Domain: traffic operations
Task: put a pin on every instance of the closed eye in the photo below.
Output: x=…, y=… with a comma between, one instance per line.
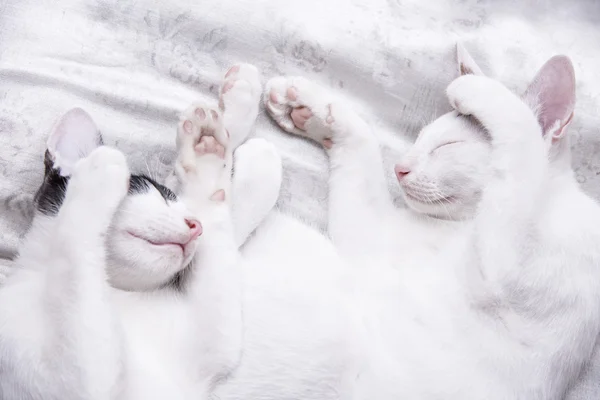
x=446, y=144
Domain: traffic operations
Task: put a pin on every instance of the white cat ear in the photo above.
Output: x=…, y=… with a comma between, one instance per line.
x=466, y=64
x=552, y=96
x=73, y=137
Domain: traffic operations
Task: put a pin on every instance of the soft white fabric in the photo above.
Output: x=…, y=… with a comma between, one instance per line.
x=135, y=64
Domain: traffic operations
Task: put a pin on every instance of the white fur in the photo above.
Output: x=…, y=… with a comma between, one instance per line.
x=405, y=306
x=66, y=333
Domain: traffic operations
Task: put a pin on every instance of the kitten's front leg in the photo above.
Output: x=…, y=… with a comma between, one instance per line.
x=99, y=184
x=96, y=189
x=214, y=284
x=359, y=201
x=77, y=351
x=519, y=157
x=257, y=166
x=239, y=101
x=256, y=185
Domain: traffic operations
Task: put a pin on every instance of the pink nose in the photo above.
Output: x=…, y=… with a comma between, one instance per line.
x=401, y=171
x=195, y=228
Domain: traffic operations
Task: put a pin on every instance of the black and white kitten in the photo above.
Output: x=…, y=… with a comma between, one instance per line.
x=116, y=295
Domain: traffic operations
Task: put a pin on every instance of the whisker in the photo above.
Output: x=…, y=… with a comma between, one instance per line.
x=443, y=204
x=147, y=167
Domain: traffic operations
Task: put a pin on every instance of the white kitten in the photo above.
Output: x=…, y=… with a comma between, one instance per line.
x=509, y=309
x=103, y=302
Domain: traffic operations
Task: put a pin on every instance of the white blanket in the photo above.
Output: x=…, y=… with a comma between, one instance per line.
x=134, y=64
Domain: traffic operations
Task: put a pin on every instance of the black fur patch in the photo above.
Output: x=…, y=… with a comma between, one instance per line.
x=181, y=279
x=51, y=194
x=142, y=183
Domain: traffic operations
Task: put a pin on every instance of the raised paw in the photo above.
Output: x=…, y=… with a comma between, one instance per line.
x=200, y=132
x=239, y=100
x=256, y=184
x=469, y=93
x=203, y=151
x=301, y=107
x=504, y=115
x=100, y=181
x=241, y=86
x=258, y=160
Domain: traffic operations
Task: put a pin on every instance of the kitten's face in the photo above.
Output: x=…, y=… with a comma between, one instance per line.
x=444, y=172
x=446, y=169
x=152, y=238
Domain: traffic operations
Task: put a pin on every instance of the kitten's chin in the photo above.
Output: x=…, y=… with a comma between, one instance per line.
x=443, y=207
x=140, y=282
x=429, y=200
x=137, y=266
x=456, y=210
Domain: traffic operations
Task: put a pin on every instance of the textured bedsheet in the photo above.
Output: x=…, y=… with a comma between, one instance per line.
x=134, y=64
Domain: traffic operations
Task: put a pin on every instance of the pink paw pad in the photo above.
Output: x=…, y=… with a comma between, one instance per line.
x=292, y=93
x=209, y=145
x=200, y=113
x=219, y=195
x=188, y=127
x=233, y=70
x=273, y=97
x=227, y=86
x=300, y=116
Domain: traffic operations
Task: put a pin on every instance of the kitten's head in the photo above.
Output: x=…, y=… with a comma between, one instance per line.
x=444, y=172
x=152, y=237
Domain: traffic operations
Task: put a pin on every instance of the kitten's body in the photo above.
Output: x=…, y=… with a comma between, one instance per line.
x=315, y=323
x=506, y=310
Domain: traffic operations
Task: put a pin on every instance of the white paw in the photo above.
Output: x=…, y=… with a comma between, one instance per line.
x=203, y=153
x=258, y=160
x=241, y=87
x=102, y=178
x=239, y=100
x=256, y=185
x=200, y=134
x=469, y=93
x=301, y=107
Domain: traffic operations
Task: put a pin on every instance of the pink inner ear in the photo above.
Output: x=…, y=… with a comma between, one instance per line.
x=552, y=94
x=75, y=136
x=560, y=132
